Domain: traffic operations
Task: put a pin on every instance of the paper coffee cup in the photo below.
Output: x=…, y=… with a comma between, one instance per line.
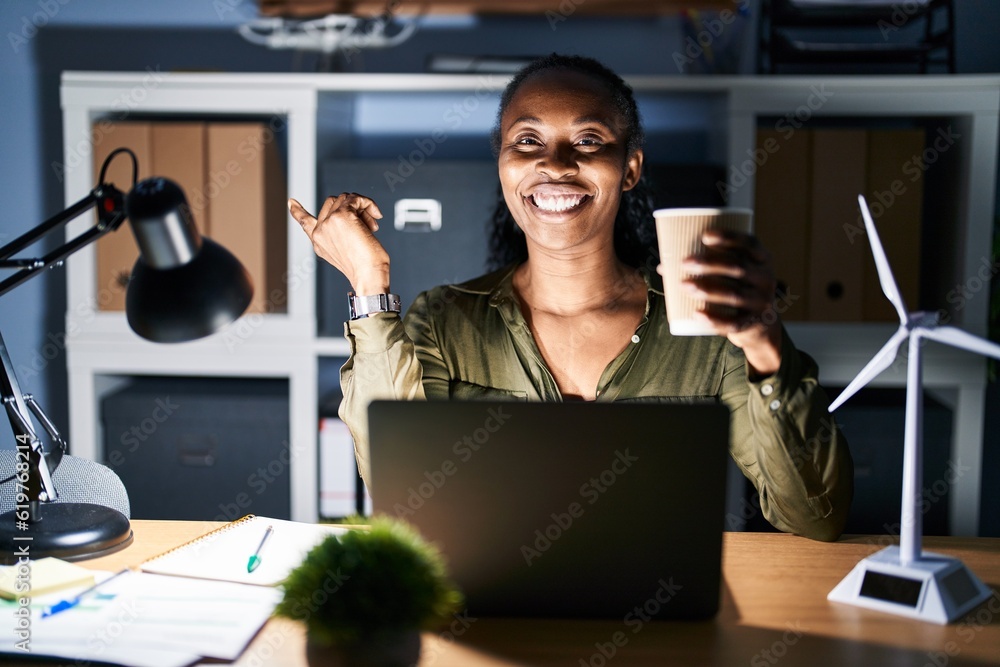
x=679, y=232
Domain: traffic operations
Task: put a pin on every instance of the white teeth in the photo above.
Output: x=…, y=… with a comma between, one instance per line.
x=557, y=203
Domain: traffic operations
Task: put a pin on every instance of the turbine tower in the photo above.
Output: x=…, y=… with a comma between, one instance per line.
x=904, y=579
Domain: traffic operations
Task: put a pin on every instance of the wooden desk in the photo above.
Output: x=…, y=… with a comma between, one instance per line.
x=774, y=612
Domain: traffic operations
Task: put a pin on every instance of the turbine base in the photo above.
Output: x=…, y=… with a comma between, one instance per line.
x=935, y=587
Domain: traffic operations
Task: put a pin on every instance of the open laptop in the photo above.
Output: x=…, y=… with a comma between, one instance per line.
x=595, y=510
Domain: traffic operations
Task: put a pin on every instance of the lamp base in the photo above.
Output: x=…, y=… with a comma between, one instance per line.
x=934, y=588
x=70, y=531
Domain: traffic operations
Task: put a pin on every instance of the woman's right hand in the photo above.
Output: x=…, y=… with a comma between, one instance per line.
x=342, y=234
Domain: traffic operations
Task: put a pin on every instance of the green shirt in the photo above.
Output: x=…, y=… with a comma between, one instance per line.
x=470, y=341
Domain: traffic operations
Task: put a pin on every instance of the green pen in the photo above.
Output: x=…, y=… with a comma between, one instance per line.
x=254, y=561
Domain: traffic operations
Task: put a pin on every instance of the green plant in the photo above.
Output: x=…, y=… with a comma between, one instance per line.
x=369, y=583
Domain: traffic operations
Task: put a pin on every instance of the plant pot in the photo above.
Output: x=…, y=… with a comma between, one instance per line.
x=398, y=649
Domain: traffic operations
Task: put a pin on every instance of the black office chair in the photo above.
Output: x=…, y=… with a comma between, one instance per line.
x=798, y=33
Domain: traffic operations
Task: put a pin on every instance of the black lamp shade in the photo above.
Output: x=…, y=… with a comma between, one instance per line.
x=191, y=301
x=183, y=286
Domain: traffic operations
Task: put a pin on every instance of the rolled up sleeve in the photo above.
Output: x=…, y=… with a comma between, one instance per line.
x=788, y=444
x=382, y=365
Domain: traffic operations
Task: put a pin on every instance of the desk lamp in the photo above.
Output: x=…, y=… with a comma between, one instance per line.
x=904, y=579
x=183, y=287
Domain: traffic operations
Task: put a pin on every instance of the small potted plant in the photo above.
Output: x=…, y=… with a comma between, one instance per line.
x=365, y=596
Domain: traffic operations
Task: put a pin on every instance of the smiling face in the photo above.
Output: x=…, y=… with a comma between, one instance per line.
x=563, y=161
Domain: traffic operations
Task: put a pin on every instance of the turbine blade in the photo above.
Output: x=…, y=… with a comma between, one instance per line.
x=885, y=277
x=881, y=361
x=962, y=339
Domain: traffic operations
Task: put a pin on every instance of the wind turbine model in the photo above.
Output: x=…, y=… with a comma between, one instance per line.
x=906, y=580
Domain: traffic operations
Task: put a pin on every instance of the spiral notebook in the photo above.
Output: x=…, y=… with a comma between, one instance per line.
x=223, y=554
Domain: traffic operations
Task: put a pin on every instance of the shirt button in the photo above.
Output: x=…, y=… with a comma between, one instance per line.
x=635, y=338
x=767, y=389
x=775, y=404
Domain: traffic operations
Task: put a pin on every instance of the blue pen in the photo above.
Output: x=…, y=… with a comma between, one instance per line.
x=254, y=561
x=72, y=602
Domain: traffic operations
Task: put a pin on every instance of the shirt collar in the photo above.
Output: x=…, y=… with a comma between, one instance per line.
x=500, y=284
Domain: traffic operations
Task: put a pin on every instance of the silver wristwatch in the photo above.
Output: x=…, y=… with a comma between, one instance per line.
x=362, y=306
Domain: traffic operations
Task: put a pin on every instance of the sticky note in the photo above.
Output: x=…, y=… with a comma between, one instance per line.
x=41, y=576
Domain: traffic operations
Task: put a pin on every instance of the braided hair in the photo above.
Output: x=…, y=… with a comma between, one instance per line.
x=634, y=232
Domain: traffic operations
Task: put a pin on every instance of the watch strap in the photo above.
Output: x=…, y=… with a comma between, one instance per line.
x=362, y=306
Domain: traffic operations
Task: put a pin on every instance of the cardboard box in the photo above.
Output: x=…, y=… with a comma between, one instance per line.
x=232, y=177
x=836, y=256
x=179, y=153
x=117, y=252
x=895, y=196
x=246, y=194
x=806, y=214
x=782, y=213
x=175, y=150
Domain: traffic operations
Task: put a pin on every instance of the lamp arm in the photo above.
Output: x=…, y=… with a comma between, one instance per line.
x=110, y=213
x=37, y=486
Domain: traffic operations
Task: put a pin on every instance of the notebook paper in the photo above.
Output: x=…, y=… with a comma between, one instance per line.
x=223, y=554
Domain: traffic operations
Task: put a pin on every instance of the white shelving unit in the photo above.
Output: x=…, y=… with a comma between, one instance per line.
x=101, y=349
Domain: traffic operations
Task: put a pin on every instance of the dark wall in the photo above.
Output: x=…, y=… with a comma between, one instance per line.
x=645, y=46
